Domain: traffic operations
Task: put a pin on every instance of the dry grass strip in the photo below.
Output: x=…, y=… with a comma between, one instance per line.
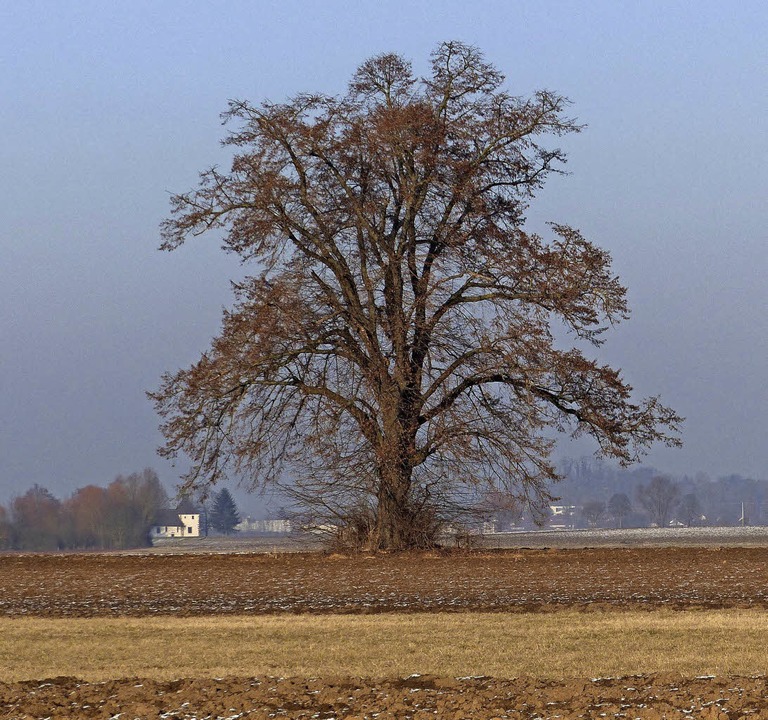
x=564, y=644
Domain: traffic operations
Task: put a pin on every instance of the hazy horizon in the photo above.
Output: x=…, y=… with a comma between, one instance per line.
x=109, y=109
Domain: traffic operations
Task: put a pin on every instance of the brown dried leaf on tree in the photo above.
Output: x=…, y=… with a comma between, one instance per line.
x=393, y=352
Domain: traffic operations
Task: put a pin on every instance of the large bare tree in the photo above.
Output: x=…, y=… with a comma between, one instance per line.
x=393, y=350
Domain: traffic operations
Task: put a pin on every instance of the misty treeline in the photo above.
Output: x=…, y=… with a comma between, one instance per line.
x=117, y=516
x=594, y=493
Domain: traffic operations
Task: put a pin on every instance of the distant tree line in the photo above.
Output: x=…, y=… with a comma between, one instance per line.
x=596, y=494
x=113, y=517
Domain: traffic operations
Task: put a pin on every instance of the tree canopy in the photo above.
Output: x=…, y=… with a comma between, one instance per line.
x=659, y=497
x=392, y=354
x=117, y=516
x=619, y=506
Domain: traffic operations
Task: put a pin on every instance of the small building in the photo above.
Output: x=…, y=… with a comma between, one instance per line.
x=173, y=524
x=561, y=516
x=270, y=526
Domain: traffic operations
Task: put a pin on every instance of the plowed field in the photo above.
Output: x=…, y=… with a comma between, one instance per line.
x=650, y=697
x=108, y=585
x=603, y=580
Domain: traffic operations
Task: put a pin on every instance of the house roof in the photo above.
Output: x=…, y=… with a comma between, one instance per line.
x=187, y=507
x=167, y=518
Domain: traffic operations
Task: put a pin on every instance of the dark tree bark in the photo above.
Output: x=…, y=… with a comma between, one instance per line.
x=393, y=353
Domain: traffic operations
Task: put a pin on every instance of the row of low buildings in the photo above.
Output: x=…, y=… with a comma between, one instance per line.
x=264, y=527
x=183, y=524
x=180, y=524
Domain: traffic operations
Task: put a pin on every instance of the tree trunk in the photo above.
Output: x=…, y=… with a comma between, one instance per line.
x=394, y=517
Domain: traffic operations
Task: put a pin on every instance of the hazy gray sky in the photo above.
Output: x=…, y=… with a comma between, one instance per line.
x=107, y=107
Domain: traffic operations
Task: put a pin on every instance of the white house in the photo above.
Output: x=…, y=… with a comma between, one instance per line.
x=172, y=524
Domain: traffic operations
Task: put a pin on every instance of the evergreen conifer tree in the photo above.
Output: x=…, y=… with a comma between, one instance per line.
x=224, y=516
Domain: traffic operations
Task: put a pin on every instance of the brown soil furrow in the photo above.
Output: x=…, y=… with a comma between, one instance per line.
x=652, y=697
x=84, y=585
